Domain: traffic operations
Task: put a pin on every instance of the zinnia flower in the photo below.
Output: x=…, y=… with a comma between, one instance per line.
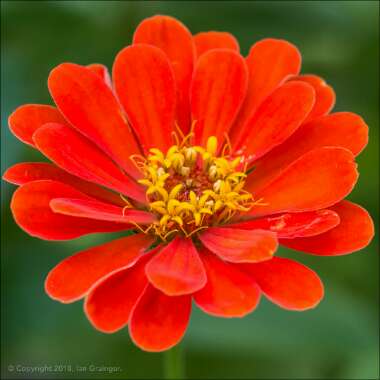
x=210, y=158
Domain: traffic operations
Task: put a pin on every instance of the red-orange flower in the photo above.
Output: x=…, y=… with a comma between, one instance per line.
x=211, y=158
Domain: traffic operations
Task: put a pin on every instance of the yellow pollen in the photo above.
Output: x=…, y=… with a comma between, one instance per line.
x=191, y=187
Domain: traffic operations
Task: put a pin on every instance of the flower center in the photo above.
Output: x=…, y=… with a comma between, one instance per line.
x=190, y=187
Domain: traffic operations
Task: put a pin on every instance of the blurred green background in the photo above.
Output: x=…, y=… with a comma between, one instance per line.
x=339, y=41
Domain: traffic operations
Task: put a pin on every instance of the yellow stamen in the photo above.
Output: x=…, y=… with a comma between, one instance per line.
x=190, y=187
x=212, y=144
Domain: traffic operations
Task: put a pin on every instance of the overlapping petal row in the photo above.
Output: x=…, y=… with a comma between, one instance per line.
x=300, y=160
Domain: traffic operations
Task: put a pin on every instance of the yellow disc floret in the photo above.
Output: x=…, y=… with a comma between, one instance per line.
x=190, y=187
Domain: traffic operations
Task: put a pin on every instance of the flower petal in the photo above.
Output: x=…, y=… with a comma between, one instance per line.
x=280, y=114
x=324, y=95
x=159, y=321
x=73, y=277
x=287, y=283
x=145, y=85
x=90, y=106
x=109, y=303
x=343, y=129
x=93, y=209
x=176, y=41
x=32, y=212
x=25, y=120
x=316, y=180
x=270, y=62
x=354, y=232
x=240, y=245
x=177, y=269
x=206, y=41
x=102, y=71
x=294, y=225
x=217, y=92
x=25, y=172
x=229, y=292
x=79, y=156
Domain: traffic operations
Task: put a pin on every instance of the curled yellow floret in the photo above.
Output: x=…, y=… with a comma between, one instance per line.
x=191, y=187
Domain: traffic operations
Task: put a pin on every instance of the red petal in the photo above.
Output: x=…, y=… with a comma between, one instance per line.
x=109, y=304
x=324, y=95
x=177, y=269
x=354, y=232
x=206, y=41
x=25, y=120
x=239, y=245
x=218, y=89
x=270, y=62
x=89, y=104
x=73, y=277
x=159, y=321
x=316, y=180
x=25, y=172
x=93, y=209
x=176, y=41
x=144, y=82
x=32, y=212
x=74, y=153
x=275, y=120
x=342, y=129
x=287, y=283
x=229, y=292
x=102, y=71
x=294, y=225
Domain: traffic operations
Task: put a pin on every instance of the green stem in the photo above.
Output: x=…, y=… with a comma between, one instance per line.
x=174, y=363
